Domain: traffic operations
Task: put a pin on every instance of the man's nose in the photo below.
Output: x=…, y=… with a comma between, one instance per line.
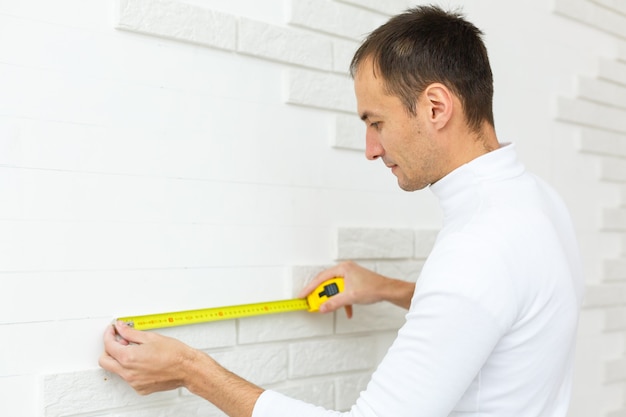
x=373, y=148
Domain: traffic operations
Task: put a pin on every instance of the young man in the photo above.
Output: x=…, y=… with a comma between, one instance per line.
x=492, y=320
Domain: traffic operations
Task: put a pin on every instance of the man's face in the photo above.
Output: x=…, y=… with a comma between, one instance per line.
x=403, y=141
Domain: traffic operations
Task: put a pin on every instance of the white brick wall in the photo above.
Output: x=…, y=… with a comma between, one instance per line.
x=360, y=243
x=330, y=17
x=599, y=107
x=166, y=155
x=609, y=18
x=179, y=21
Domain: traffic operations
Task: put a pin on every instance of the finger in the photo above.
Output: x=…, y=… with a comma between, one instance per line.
x=118, y=337
x=110, y=335
x=109, y=363
x=348, y=309
x=129, y=334
x=319, y=278
x=113, y=344
x=335, y=303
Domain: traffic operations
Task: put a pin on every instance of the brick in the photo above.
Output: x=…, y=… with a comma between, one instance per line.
x=287, y=326
x=591, y=114
x=568, y=8
x=389, y=7
x=592, y=14
x=614, y=5
x=407, y=270
x=604, y=295
x=615, y=269
x=178, y=21
x=620, y=413
x=260, y=365
x=331, y=17
x=370, y=318
x=613, y=169
x=614, y=218
x=367, y=243
x=343, y=51
x=320, y=393
x=602, y=142
x=189, y=407
x=285, y=45
x=615, y=370
x=303, y=274
x=348, y=389
x=601, y=91
x=205, y=335
x=99, y=390
x=615, y=319
x=321, y=90
x=348, y=133
x=611, y=70
x=424, y=242
x=331, y=356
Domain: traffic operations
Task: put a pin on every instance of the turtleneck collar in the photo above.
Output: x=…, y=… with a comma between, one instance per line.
x=457, y=188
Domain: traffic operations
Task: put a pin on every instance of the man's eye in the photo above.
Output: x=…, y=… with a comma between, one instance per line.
x=374, y=125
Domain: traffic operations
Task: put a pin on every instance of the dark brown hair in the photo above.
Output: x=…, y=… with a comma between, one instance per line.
x=426, y=45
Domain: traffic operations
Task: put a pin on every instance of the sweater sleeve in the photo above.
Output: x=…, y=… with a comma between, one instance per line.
x=272, y=403
x=450, y=331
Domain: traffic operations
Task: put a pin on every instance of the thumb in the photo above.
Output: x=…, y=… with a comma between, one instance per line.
x=334, y=303
x=329, y=306
x=129, y=334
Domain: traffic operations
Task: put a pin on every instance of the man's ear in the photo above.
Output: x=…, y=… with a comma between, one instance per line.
x=440, y=104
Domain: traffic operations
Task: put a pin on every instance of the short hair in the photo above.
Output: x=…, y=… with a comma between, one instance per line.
x=425, y=45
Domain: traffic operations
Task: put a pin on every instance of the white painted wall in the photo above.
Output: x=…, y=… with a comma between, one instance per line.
x=205, y=152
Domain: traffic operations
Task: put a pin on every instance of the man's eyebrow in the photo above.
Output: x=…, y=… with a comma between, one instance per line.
x=365, y=115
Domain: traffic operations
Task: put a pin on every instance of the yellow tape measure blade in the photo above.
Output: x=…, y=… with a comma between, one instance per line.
x=312, y=303
x=180, y=318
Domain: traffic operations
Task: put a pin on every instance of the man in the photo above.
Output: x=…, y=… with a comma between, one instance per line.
x=492, y=319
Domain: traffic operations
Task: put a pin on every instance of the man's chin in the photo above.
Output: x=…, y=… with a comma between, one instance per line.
x=407, y=186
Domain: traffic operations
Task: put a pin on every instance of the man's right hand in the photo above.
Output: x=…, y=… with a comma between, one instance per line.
x=361, y=286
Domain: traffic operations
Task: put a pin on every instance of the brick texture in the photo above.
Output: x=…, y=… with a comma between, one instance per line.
x=609, y=18
x=329, y=17
x=314, y=89
x=99, y=390
x=179, y=21
x=116, y=176
x=363, y=243
x=322, y=357
x=349, y=133
x=591, y=114
x=285, y=45
x=599, y=111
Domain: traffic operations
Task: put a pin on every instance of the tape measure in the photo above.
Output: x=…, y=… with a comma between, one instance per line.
x=312, y=303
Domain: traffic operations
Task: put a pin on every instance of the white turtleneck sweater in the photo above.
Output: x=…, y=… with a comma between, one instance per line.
x=492, y=323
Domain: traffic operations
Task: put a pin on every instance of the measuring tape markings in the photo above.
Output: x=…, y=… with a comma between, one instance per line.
x=312, y=303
